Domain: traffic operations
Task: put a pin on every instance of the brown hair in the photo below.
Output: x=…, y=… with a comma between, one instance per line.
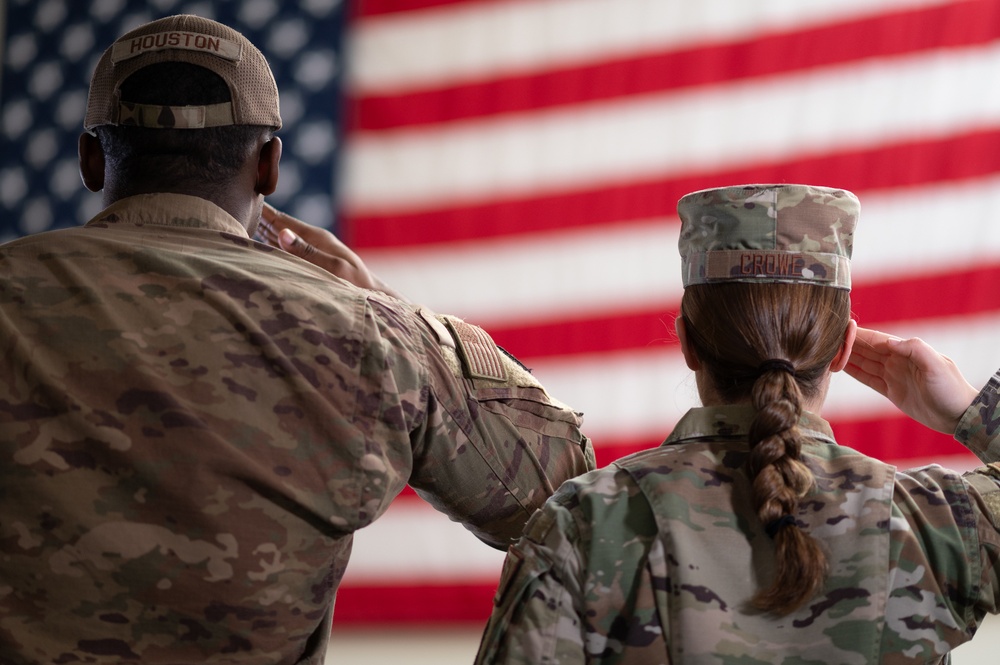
x=733, y=329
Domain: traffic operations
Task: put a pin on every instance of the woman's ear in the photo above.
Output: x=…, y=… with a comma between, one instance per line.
x=91, y=155
x=839, y=361
x=690, y=357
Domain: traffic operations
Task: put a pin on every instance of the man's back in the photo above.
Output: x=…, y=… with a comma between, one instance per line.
x=192, y=426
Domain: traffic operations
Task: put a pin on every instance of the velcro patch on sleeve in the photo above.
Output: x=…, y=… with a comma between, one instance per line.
x=481, y=359
x=445, y=338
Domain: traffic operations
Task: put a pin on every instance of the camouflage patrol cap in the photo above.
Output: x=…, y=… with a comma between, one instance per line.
x=195, y=40
x=768, y=233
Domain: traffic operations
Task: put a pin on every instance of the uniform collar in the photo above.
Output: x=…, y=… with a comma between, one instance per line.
x=734, y=421
x=177, y=210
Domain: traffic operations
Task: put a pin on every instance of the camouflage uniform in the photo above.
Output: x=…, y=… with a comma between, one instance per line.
x=653, y=559
x=194, y=424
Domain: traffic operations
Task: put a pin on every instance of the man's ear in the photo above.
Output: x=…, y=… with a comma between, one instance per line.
x=91, y=162
x=840, y=360
x=267, y=167
x=690, y=357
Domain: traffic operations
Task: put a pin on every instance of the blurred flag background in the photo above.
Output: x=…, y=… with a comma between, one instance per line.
x=518, y=162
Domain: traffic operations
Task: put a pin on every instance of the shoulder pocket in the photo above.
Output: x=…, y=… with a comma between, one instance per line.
x=984, y=480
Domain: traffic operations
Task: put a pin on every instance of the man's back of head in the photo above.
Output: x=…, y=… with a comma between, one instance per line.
x=179, y=105
x=161, y=159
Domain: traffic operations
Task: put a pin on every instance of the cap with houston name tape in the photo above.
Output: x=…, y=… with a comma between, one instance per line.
x=195, y=40
x=768, y=233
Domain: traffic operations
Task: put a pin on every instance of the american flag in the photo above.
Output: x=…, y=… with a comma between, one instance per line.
x=49, y=51
x=518, y=162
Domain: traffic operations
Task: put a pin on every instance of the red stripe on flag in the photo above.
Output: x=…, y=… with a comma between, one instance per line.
x=424, y=603
x=964, y=156
x=594, y=334
x=361, y=9
x=884, y=35
x=894, y=438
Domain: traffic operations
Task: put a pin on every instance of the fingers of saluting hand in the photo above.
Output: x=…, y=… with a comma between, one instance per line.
x=868, y=373
x=273, y=216
x=872, y=346
x=282, y=230
x=267, y=231
x=291, y=242
x=318, y=246
x=871, y=351
x=272, y=221
x=277, y=220
x=873, y=342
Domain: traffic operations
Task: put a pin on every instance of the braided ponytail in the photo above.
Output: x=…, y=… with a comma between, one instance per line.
x=779, y=479
x=771, y=345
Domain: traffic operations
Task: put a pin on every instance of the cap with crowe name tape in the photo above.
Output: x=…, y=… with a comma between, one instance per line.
x=768, y=233
x=195, y=40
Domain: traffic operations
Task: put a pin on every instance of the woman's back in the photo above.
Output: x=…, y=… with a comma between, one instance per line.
x=655, y=558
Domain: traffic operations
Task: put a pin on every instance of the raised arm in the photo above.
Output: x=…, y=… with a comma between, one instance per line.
x=488, y=444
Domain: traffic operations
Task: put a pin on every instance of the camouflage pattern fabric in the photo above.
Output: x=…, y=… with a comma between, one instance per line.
x=174, y=117
x=979, y=426
x=768, y=233
x=194, y=424
x=653, y=560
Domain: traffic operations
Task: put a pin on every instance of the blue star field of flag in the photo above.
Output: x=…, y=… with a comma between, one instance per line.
x=50, y=48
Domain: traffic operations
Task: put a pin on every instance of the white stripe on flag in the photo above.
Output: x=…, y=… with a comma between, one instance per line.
x=741, y=123
x=457, y=43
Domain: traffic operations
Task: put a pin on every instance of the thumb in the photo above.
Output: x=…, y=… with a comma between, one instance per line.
x=290, y=241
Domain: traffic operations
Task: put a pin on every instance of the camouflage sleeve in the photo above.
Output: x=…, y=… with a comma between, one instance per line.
x=944, y=545
x=980, y=424
x=578, y=587
x=494, y=445
x=535, y=615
